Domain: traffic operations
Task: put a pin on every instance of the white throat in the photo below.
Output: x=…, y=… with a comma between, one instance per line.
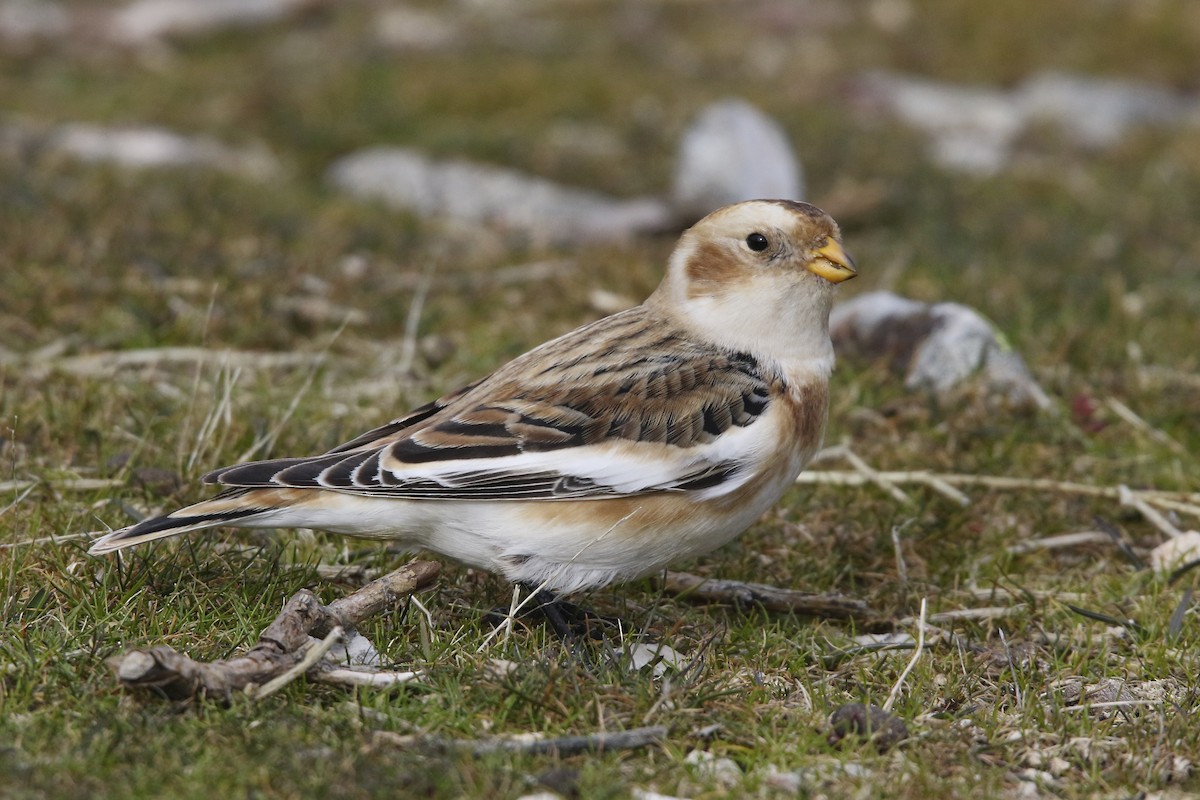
x=786, y=323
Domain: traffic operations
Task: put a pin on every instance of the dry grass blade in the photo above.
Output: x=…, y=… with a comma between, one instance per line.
x=912, y=662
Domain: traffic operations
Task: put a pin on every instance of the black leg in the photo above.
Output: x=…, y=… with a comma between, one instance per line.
x=568, y=620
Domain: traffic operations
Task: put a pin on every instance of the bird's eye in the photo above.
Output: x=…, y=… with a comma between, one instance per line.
x=757, y=242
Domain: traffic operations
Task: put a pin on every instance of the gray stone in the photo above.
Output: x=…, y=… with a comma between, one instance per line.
x=511, y=201
x=974, y=129
x=150, y=20
x=1098, y=113
x=145, y=147
x=733, y=152
x=971, y=129
x=939, y=347
x=23, y=20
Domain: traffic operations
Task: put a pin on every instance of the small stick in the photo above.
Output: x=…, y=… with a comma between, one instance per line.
x=772, y=598
x=370, y=679
x=103, y=363
x=871, y=474
x=1060, y=541
x=1188, y=502
x=66, y=537
x=901, y=567
x=281, y=649
x=1130, y=416
x=912, y=662
x=1152, y=515
x=72, y=485
x=312, y=655
x=532, y=743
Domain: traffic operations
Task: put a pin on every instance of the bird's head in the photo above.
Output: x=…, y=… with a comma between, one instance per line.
x=758, y=276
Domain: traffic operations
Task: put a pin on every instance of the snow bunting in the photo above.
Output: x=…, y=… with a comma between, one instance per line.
x=641, y=439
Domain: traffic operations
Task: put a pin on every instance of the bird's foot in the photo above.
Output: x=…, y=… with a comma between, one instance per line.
x=569, y=621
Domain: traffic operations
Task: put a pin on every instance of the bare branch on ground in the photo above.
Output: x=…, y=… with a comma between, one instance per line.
x=285, y=644
x=531, y=743
x=772, y=598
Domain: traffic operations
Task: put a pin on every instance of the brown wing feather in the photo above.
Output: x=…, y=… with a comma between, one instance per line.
x=649, y=384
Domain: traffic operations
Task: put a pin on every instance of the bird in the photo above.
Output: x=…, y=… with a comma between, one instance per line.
x=647, y=437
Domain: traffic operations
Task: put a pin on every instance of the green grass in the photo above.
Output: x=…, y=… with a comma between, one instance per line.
x=1090, y=266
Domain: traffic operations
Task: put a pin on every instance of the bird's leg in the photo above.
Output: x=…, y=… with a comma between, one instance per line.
x=568, y=620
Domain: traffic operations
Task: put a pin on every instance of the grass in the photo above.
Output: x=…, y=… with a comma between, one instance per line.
x=1089, y=265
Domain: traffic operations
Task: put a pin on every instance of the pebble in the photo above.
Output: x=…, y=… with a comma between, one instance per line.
x=147, y=147
x=733, y=152
x=145, y=21
x=520, y=204
x=975, y=128
x=940, y=346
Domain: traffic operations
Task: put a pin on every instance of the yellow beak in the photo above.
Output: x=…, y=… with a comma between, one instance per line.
x=834, y=264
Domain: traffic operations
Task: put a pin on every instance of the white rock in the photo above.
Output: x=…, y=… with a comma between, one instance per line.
x=970, y=128
x=941, y=346
x=662, y=658
x=733, y=152
x=143, y=147
x=1174, y=553
x=148, y=20
x=503, y=198
x=1098, y=113
x=645, y=794
x=355, y=650
x=414, y=29
x=974, y=129
x=21, y=20
x=722, y=770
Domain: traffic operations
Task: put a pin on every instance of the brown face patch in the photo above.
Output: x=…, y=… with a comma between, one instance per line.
x=711, y=270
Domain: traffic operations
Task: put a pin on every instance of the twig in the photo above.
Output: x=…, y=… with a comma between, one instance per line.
x=70, y=485
x=1060, y=541
x=282, y=647
x=1188, y=502
x=1113, y=704
x=532, y=743
x=374, y=679
x=901, y=567
x=66, y=537
x=1152, y=515
x=971, y=614
x=772, y=598
x=867, y=471
x=350, y=573
x=17, y=501
x=412, y=323
x=312, y=655
x=1130, y=416
x=108, y=362
x=1012, y=667
x=912, y=662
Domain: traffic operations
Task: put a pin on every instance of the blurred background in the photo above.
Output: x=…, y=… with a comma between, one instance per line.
x=232, y=229
x=1037, y=162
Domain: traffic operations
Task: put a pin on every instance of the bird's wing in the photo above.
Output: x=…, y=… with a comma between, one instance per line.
x=625, y=406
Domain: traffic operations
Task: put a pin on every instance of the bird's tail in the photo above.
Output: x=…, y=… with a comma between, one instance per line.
x=233, y=507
